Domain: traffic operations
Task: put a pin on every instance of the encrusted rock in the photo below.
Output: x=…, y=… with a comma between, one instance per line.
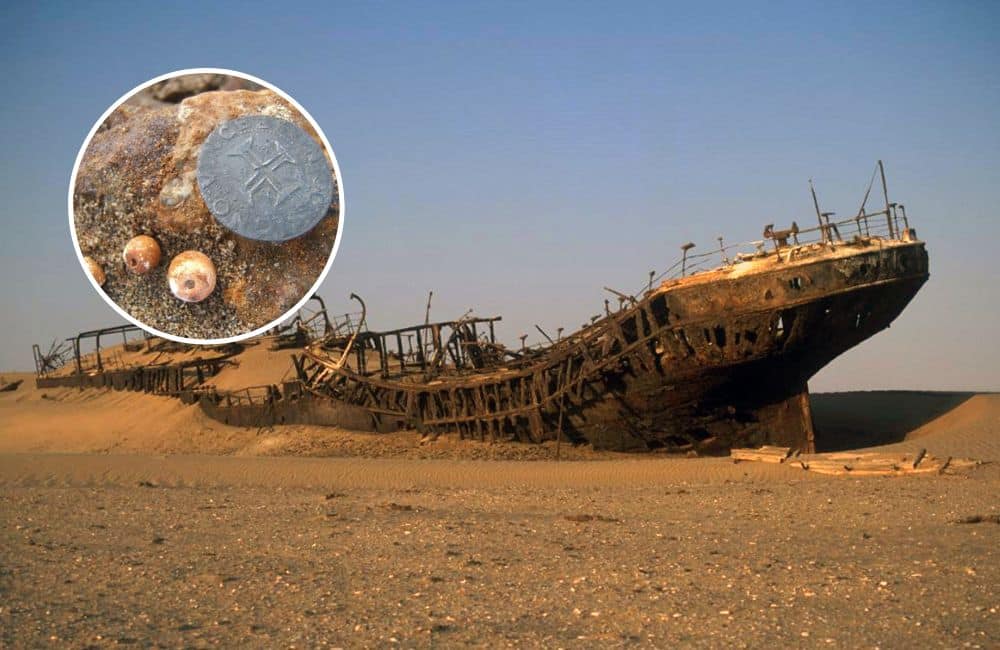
x=176, y=89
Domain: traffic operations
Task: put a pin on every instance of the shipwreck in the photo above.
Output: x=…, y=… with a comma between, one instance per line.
x=715, y=353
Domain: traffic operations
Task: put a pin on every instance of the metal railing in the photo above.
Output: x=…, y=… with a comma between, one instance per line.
x=887, y=225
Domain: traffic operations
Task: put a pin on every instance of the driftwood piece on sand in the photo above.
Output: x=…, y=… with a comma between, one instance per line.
x=6, y=386
x=765, y=454
x=857, y=463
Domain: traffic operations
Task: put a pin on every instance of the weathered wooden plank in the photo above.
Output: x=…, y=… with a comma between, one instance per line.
x=763, y=454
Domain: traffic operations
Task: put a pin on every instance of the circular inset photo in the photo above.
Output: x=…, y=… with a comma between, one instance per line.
x=206, y=206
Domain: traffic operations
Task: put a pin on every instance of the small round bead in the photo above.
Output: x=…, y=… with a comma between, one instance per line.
x=141, y=254
x=191, y=276
x=95, y=270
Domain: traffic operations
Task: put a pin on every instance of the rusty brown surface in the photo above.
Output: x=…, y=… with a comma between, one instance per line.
x=701, y=363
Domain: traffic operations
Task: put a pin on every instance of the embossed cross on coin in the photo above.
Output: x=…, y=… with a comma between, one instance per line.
x=264, y=178
x=263, y=170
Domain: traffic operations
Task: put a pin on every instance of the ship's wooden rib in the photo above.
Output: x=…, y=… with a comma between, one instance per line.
x=678, y=333
x=705, y=363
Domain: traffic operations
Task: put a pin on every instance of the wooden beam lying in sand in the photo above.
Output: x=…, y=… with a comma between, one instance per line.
x=766, y=454
x=857, y=463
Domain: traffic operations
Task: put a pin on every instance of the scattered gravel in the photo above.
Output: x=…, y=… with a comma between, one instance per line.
x=751, y=563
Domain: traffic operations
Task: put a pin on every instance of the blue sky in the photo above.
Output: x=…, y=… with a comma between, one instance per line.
x=518, y=157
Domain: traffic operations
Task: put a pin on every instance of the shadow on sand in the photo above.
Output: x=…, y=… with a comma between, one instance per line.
x=866, y=419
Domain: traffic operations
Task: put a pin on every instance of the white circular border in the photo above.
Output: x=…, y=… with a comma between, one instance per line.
x=336, y=241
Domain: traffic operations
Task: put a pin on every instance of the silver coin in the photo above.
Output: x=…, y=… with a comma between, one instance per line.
x=264, y=178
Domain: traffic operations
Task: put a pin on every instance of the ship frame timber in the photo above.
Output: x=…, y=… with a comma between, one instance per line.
x=702, y=362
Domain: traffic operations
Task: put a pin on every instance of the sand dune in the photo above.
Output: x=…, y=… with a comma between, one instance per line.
x=68, y=420
x=945, y=423
x=257, y=365
x=977, y=413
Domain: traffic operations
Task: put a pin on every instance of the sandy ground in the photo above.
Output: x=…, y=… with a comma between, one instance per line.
x=133, y=520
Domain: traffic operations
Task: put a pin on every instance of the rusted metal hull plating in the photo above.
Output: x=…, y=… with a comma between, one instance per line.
x=703, y=363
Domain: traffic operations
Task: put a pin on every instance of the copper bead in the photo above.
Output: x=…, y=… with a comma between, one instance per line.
x=191, y=276
x=95, y=270
x=141, y=254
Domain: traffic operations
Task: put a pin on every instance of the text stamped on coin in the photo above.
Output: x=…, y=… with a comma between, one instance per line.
x=264, y=178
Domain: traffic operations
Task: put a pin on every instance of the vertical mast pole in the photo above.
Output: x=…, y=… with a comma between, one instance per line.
x=819, y=215
x=885, y=193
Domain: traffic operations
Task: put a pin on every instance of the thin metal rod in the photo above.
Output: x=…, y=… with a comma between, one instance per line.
x=819, y=216
x=562, y=403
x=885, y=193
x=544, y=334
x=354, y=335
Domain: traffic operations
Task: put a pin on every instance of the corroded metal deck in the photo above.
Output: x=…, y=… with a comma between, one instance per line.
x=704, y=362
